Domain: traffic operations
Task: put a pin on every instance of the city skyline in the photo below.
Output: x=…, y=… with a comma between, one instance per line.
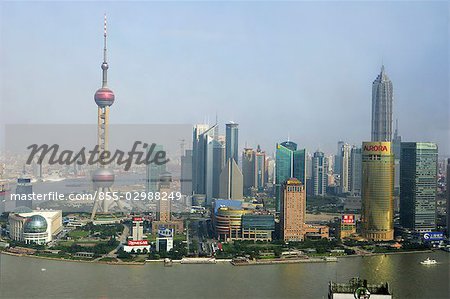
x=243, y=83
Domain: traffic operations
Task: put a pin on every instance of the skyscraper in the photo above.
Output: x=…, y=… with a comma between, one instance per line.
x=24, y=187
x=448, y=197
x=231, y=181
x=186, y=173
x=154, y=171
x=382, y=98
x=319, y=174
x=232, y=146
x=418, y=185
x=200, y=133
x=396, y=143
x=345, y=168
x=338, y=158
x=290, y=163
x=248, y=169
x=293, y=210
x=215, y=164
x=164, y=204
x=260, y=169
x=355, y=171
x=377, y=214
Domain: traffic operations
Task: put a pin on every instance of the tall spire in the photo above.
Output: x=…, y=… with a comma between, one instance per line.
x=105, y=63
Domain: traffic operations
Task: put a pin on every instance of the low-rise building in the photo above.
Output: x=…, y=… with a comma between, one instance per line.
x=38, y=227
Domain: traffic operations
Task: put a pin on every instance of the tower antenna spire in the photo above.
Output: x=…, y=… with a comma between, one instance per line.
x=105, y=63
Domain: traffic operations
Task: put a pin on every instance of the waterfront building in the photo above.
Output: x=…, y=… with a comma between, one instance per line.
x=137, y=230
x=257, y=227
x=377, y=215
x=418, y=185
x=290, y=163
x=347, y=226
x=24, y=188
x=382, y=99
x=292, y=210
x=319, y=173
x=315, y=231
x=164, y=241
x=34, y=227
x=228, y=222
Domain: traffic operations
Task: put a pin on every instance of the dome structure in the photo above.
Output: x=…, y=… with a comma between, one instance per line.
x=103, y=177
x=104, y=97
x=35, y=224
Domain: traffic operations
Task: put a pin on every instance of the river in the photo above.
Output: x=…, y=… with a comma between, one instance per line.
x=22, y=277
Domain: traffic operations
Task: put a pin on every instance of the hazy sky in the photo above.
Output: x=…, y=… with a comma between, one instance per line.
x=302, y=69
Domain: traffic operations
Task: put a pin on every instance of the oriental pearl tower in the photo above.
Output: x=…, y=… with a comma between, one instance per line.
x=103, y=178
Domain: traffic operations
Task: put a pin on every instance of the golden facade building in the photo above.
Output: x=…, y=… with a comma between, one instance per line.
x=377, y=215
x=292, y=210
x=228, y=223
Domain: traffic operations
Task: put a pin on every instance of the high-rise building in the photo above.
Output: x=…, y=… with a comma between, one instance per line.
x=154, y=171
x=293, y=210
x=345, y=168
x=207, y=161
x=200, y=133
x=254, y=170
x=248, y=169
x=382, y=98
x=338, y=158
x=260, y=169
x=448, y=197
x=215, y=164
x=418, y=185
x=186, y=173
x=232, y=137
x=164, y=204
x=396, y=144
x=319, y=174
x=290, y=163
x=24, y=187
x=355, y=171
x=231, y=181
x=377, y=214
x=137, y=232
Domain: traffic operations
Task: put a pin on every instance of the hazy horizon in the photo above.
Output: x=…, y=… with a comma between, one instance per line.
x=297, y=69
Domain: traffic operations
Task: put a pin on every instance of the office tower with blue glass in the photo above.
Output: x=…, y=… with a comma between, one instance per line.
x=290, y=163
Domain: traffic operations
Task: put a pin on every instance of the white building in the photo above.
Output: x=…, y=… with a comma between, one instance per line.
x=37, y=227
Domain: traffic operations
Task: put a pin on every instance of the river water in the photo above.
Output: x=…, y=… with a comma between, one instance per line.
x=22, y=277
